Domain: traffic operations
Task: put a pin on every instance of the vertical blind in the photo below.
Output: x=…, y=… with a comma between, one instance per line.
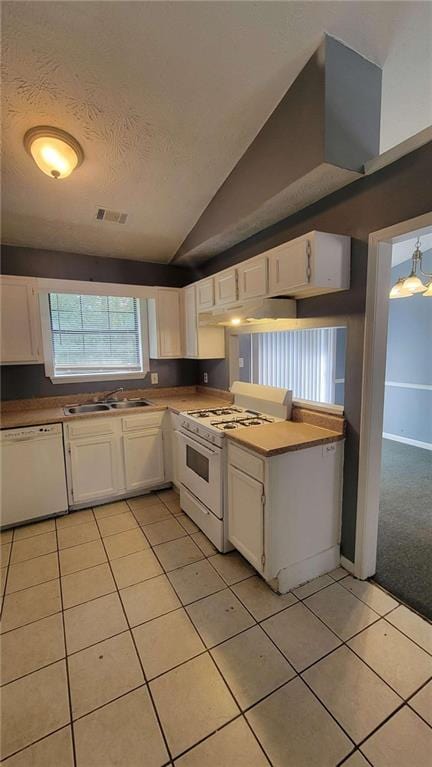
x=301, y=360
x=95, y=334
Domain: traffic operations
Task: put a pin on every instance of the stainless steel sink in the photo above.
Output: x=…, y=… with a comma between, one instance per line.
x=92, y=408
x=97, y=407
x=127, y=403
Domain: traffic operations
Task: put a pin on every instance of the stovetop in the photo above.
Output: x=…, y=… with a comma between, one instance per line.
x=254, y=419
x=211, y=422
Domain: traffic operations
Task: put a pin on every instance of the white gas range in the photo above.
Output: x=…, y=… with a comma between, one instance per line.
x=202, y=455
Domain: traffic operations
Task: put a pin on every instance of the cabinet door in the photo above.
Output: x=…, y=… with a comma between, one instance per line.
x=226, y=287
x=20, y=321
x=252, y=278
x=169, y=323
x=143, y=459
x=205, y=294
x=95, y=468
x=190, y=317
x=246, y=516
x=289, y=267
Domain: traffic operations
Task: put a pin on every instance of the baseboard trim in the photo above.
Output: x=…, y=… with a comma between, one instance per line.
x=304, y=571
x=407, y=441
x=347, y=564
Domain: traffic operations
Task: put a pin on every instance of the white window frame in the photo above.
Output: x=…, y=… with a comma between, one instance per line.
x=45, y=287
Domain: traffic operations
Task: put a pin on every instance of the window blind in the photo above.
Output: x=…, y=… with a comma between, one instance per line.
x=94, y=334
x=301, y=360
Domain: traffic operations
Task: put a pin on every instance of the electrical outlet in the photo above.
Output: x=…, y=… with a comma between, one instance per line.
x=205, y=377
x=154, y=378
x=241, y=362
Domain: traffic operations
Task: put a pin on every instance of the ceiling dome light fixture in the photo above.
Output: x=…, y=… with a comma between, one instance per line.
x=55, y=152
x=408, y=286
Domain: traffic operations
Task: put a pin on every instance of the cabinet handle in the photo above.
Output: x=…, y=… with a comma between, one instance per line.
x=277, y=271
x=308, y=261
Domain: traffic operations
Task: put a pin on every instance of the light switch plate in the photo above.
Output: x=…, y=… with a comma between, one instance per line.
x=241, y=362
x=154, y=378
x=205, y=377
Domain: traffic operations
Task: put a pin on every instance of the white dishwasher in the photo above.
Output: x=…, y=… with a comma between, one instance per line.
x=33, y=476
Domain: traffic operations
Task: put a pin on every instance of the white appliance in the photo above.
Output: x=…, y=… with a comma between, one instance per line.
x=202, y=457
x=33, y=476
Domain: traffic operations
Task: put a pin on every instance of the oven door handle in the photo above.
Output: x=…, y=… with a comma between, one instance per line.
x=192, y=441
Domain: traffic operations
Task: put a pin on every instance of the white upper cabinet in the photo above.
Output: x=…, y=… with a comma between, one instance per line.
x=164, y=315
x=310, y=265
x=226, y=287
x=20, y=321
x=252, y=278
x=205, y=294
x=200, y=342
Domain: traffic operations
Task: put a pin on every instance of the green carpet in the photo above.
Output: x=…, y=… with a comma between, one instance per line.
x=404, y=555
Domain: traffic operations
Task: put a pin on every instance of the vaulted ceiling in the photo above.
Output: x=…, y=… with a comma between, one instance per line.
x=165, y=97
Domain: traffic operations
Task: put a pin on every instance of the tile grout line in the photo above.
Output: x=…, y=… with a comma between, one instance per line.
x=146, y=684
x=66, y=658
x=208, y=650
x=7, y=575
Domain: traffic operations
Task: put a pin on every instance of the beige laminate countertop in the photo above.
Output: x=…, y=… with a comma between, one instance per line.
x=11, y=419
x=282, y=437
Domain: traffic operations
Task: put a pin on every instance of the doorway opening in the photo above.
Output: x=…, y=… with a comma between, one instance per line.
x=394, y=514
x=404, y=547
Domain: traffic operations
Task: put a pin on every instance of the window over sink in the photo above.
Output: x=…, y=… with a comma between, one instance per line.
x=94, y=337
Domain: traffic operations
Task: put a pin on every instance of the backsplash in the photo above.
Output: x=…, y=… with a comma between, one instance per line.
x=23, y=381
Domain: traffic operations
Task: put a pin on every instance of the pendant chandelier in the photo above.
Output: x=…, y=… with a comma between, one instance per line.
x=408, y=286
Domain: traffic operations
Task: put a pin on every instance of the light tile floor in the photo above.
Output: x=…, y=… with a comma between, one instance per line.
x=126, y=639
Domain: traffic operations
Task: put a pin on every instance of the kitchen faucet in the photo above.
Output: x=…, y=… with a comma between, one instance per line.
x=109, y=396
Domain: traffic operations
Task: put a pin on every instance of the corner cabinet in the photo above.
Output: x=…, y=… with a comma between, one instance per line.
x=284, y=511
x=20, y=321
x=200, y=342
x=109, y=458
x=164, y=324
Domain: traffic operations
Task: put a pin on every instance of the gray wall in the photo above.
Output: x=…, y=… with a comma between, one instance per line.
x=341, y=335
x=22, y=381
x=408, y=412
x=34, y=262
x=396, y=193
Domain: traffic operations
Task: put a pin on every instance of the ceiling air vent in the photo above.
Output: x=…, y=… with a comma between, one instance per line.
x=103, y=214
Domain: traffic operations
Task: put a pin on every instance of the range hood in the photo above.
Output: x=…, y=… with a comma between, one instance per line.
x=251, y=312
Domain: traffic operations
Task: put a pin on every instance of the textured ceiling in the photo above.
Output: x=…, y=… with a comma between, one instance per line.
x=165, y=97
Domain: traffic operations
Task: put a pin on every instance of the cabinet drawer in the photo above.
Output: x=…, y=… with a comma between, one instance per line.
x=142, y=421
x=211, y=526
x=247, y=462
x=90, y=427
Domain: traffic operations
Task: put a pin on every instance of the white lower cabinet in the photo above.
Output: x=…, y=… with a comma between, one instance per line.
x=246, y=516
x=95, y=464
x=143, y=459
x=109, y=458
x=284, y=512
